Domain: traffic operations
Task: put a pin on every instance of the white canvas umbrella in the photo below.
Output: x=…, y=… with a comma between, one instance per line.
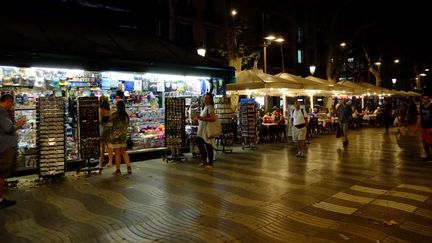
x=333, y=87
x=256, y=79
x=357, y=89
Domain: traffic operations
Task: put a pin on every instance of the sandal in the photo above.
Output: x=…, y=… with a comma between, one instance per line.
x=110, y=164
x=129, y=170
x=117, y=172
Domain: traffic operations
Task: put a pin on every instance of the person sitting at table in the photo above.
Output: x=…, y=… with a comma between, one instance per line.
x=313, y=112
x=280, y=120
x=355, y=117
x=366, y=111
x=327, y=112
x=378, y=115
x=267, y=118
x=277, y=116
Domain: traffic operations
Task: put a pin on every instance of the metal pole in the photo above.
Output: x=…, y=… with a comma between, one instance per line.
x=265, y=58
x=283, y=66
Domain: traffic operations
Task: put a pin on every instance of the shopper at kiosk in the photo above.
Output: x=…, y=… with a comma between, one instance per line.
x=104, y=116
x=204, y=143
x=119, y=122
x=8, y=145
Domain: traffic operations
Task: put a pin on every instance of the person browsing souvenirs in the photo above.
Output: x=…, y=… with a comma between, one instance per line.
x=119, y=123
x=104, y=116
x=8, y=145
x=299, y=129
x=204, y=143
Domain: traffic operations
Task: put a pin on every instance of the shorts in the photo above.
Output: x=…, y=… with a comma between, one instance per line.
x=298, y=134
x=8, y=162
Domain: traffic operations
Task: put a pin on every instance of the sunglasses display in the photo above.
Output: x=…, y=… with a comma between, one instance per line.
x=88, y=127
x=52, y=141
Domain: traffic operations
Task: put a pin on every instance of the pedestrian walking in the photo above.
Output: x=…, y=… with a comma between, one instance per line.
x=345, y=116
x=299, y=129
x=424, y=121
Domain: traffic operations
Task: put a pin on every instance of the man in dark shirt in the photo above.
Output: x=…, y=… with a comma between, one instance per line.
x=425, y=122
x=8, y=144
x=345, y=116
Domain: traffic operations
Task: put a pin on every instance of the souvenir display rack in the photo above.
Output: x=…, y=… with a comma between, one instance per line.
x=193, y=106
x=248, y=121
x=146, y=126
x=88, y=130
x=52, y=138
x=224, y=112
x=25, y=108
x=72, y=151
x=174, y=128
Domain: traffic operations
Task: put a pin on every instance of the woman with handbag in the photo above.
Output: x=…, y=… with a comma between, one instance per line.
x=204, y=142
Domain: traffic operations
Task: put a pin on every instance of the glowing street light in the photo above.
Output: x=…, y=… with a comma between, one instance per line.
x=201, y=51
x=233, y=12
x=267, y=42
x=312, y=69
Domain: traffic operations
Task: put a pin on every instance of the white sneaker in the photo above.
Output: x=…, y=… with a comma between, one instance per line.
x=298, y=154
x=301, y=154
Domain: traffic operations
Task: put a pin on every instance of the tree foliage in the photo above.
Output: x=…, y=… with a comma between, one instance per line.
x=235, y=50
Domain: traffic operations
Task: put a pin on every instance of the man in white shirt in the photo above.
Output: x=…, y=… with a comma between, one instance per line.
x=299, y=129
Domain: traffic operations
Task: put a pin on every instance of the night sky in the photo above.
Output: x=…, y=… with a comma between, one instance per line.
x=395, y=29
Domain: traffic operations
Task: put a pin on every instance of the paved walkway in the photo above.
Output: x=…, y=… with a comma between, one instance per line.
x=375, y=190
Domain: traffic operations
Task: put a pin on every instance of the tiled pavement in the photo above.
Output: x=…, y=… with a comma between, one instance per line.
x=375, y=190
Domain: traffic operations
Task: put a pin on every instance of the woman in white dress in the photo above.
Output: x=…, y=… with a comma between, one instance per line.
x=204, y=143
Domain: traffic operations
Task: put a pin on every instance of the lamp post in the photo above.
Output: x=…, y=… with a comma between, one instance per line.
x=267, y=41
x=282, y=58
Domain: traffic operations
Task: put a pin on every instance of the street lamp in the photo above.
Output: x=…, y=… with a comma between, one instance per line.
x=201, y=51
x=312, y=69
x=267, y=41
x=394, y=82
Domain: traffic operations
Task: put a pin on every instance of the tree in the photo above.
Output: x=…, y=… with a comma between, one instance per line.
x=354, y=36
x=235, y=50
x=374, y=67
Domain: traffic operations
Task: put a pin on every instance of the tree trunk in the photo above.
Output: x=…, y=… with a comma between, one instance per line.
x=236, y=62
x=376, y=73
